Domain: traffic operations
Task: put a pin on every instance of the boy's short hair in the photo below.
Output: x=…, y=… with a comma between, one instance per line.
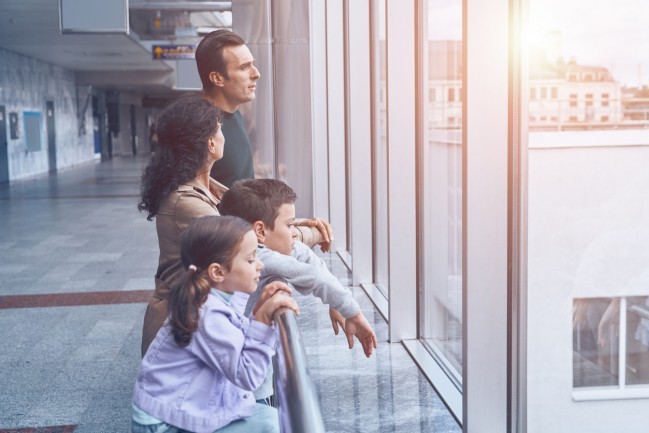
x=257, y=200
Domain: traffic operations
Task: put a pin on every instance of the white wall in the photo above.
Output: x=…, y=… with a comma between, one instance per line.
x=25, y=85
x=588, y=217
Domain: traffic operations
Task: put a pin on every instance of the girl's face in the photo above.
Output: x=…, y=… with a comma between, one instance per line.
x=244, y=272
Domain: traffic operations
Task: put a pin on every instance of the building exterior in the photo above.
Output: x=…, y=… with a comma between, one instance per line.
x=569, y=95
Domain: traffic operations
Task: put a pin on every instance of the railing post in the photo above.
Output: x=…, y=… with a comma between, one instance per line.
x=299, y=409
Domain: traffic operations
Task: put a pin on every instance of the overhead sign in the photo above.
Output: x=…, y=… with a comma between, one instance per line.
x=93, y=16
x=173, y=52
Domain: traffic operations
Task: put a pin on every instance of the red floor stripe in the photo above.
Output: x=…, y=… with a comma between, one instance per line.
x=67, y=197
x=52, y=429
x=75, y=299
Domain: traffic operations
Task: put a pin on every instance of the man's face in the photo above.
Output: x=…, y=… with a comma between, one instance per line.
x=281, y=237
x=239, y=86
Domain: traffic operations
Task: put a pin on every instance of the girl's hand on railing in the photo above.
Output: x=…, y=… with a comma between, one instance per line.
x=275, y=295
x=269, y=290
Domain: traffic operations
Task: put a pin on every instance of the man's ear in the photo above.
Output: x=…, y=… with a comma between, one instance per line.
x=216, y=272
x=260, y=230
x=216, y=78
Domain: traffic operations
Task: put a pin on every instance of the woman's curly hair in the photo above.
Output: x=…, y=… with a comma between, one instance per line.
x=184, y=128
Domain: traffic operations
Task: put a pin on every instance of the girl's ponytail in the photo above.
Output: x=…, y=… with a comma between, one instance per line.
x=210, y=239
x=186, y=302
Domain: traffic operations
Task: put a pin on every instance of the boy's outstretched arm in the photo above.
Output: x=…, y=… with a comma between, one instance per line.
x=337, y=320
x=356, y=325
x=359, y=326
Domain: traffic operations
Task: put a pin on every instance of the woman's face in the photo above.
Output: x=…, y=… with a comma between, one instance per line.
x=216, y=143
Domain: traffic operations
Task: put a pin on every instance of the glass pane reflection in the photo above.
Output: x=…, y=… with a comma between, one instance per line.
x=595, y=342
x=637, y=343
x=441, y=325
x=599, y=325
x=380, y=149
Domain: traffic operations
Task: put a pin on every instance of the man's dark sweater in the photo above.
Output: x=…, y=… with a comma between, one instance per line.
x=236, y=163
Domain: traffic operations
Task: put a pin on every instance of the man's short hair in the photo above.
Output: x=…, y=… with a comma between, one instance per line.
x=209, y=54
x=257, y=200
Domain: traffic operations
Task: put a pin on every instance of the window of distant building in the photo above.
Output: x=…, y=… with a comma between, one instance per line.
x=553, y=118
x=604, y=99
x=589, y=99
x=544, y=92
x=553, y=93
x=573, y=99
x=573, y=119
x=532, y=92
x=604, y=118
x=431, y=95
x=543, y=118
x=572, y=77
x=532, y=119
x=459, y=94
x=451, y=94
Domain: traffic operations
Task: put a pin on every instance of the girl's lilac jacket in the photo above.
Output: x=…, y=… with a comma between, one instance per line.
x=209, y=383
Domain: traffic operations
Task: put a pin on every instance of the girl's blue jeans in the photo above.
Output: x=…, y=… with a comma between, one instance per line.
x=264, y=419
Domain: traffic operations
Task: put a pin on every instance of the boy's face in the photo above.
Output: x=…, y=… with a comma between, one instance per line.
x=281, y=237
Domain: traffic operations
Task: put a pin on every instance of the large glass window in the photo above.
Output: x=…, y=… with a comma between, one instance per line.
x=588, y=213
x=379, y=147
x=441, y=180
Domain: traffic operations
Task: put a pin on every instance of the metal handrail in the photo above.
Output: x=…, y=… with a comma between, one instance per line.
x=299, y=409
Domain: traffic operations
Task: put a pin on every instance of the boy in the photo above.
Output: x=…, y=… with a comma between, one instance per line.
x=269, y=205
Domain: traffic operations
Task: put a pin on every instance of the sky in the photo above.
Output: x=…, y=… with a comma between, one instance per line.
x=609, y=33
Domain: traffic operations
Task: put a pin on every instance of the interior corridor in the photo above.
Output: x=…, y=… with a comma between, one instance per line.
x=77, y=261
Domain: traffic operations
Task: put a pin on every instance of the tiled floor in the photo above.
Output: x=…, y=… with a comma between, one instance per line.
x=76, y=265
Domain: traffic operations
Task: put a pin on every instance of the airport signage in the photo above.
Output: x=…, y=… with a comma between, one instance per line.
x=173, y=52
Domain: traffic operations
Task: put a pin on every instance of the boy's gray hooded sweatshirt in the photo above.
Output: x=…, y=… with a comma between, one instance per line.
x=308, y=274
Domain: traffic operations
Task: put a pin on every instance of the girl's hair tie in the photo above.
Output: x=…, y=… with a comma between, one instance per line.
x=192, y=268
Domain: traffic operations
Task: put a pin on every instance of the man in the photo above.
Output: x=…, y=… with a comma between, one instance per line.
x=228, y=74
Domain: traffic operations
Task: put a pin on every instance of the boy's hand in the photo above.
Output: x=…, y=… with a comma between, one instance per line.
x=270, y=290
x=337, y=319
x=325, y=229
x=360, y=327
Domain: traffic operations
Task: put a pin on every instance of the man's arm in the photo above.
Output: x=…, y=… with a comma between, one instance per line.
x=314, y=231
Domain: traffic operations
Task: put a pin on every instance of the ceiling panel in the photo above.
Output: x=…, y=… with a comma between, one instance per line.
x=31, y=28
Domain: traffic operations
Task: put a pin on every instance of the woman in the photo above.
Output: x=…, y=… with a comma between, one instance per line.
x=177, y=189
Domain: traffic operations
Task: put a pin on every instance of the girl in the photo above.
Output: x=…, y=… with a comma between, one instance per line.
x=200, y=370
